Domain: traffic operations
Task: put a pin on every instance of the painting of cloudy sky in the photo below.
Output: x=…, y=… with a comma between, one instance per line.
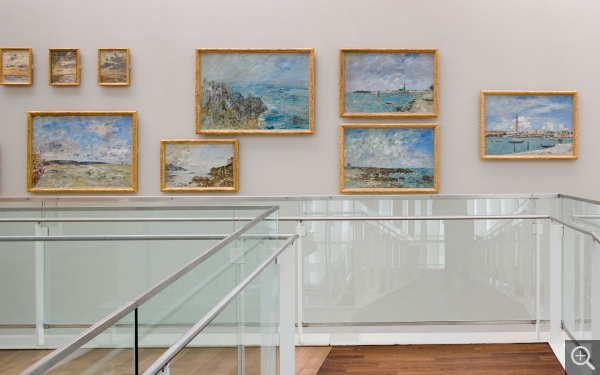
x=547, y=112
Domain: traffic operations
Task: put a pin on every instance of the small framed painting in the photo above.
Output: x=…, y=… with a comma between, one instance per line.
x=528, y=125
x=386, y=82
x=255, y=91
x=113, y=66
x=63, y=67
x=81, y=152
x=16, y=67
x=199, y=165
x=389, y=158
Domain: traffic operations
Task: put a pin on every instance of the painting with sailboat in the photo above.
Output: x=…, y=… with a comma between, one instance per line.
x=528, y=125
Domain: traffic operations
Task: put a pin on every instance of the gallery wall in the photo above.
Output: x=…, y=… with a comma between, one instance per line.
x=483, y=45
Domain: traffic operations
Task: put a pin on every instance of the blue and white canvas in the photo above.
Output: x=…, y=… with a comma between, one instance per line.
x=255, y=91
x=529, y=125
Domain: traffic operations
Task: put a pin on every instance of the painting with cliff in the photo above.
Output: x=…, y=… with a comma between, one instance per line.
x=387, y=158
x=388, y=83
x=254, y=91
x=199, y=165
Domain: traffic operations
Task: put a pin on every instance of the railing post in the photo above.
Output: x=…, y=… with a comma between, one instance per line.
x=287, y=346
x=136, y=360
x=595, y=290
x=40, y=313
x=239, y=259
x=300, y=231
x=538, y=277
x=556, y=235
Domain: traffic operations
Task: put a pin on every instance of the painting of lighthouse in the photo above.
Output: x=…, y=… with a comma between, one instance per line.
x=522, y=125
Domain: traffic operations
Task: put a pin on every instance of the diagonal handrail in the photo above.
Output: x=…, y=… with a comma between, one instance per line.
x=61, y=353
x=212, y=314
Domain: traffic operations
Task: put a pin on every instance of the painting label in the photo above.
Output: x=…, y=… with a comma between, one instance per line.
x=16, y=66
x=266, y=92
x=113, y=66
x=528, y=126
x=392, y=158
x=195, y=165
x=388, y=84
x=64, y=67
x=82, y=152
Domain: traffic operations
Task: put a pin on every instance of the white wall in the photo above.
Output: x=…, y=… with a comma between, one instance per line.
x=483, y=45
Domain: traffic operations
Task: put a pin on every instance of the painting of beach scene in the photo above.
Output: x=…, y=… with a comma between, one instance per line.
x=260, y=91
x=63, y=67
x=16, y=68
x=528, y=125
x=389, y=158
x=113, y=66
x=82, y=152
x=199, y=165
x=388, y=83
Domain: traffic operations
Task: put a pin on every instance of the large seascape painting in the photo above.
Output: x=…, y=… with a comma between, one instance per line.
x=16, y=68
x=113, y=66
x=389, y=158
x=528, y=125
x=82, y=152
x=199, y=165
x=264, y=91
x=63, y=65
x=388, y=83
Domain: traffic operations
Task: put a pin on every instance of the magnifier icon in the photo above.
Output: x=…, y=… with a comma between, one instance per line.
x=582, y=359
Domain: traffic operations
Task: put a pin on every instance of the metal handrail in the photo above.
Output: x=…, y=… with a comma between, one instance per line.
x=410, y=218
x=136, y=237
x=212, y=314
x=61, y=353
x=585, y=200
x=130, y=208
x=594, y=235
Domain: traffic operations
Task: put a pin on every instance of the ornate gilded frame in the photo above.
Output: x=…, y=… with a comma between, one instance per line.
x=29, y=70
x=311, y=91
x=482, y=136
x=30, y=153
x=199, y=142
x=342, y=111
x=77, y=67
x=127, y=67
x=342, y=163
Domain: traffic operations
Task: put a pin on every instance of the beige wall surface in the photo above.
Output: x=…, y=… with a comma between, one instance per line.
x=483, y=45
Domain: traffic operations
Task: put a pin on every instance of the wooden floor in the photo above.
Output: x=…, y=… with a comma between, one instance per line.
x=494, y=359
x=374, y=360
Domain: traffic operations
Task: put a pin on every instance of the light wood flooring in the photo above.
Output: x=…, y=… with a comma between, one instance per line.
x=522, y=359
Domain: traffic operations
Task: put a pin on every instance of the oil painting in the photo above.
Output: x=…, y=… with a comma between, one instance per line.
x=199, y=165
x=388, y=82
x=256, y=91
x=521, y=125
x=16, y=68
x=113, y=66
x=389, y=158
x=63, y=67
x=82, y=152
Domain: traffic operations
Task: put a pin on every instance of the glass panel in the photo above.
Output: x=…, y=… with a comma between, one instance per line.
x=401, y=271
x=583, y=214
x=111, y=352
x=577, y=280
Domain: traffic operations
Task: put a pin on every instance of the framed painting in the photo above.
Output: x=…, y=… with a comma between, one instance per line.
x=17, y=67
x=205, y=165
x=389, y=158
x=81, y=152
x=528, y=125
x=255, y=91
x=63, y=67
x=387, y=82
x=113, y=67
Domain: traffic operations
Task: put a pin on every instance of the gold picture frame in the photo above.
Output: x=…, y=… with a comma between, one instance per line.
x=64, y=67
x=388, y=82
x=113, y=67
x=200, y=165
x=389, y=158
x=528, y=125
x=16, y=66
x=82, y=151
x=236, y=86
